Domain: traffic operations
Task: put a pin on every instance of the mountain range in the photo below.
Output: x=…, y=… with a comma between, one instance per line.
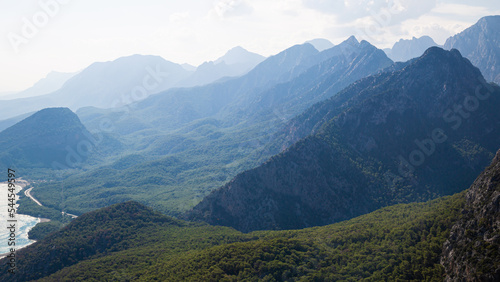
x=202, y=137
x=52, y=82
x=385, y=139
x=123, y=81
x=321, y=163
x=406, y=49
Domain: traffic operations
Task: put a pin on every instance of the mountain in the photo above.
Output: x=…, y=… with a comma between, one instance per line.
x=235, y=62
x=472, y=251
x=238, y=55
x=192, y=141
x=406, y=49
x=403, y=242
x=52, y=82
x=53, y=135
x=175, y=108
x=401, y=136
x=105, y=85
x=337, y=67
x=320, y=44
x=480, y=44
x=280, y=80
x=397, y=243
x=4, y=124
x=112, y=230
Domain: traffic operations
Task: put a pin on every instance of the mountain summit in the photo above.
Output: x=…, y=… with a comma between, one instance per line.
x=406, y=49
x=480, y=44
x=48, y=136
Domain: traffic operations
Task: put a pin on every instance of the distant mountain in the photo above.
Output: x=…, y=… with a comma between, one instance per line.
x=4, y=124
x=189, y=67
x=471, y=252
x=105, y=85
x=389, y=138
x=480, y=44
x=48, y=136
x=176, y=107
x=406, y=49
x=235, y=62
x=321, y=44
x=238, y=55
x=52, y=82
x=337, y=67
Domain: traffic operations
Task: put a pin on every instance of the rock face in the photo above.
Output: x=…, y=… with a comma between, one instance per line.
x=472, y=252
x=406, y=49
x=363, y=141
x=480, y=44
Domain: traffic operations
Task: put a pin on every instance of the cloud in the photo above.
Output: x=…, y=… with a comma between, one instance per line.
x=390, y=11
x=231, y=8
x=178, y=17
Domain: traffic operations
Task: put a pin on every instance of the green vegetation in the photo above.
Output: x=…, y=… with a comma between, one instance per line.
x=130, y=242
x=29, y=207
x=171, y=173
x=41, y=230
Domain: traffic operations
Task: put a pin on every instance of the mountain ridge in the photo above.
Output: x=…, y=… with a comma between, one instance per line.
x=480, y=43
x=324, y=165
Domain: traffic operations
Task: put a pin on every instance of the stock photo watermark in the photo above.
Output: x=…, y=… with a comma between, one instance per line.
x=31, y=26
x=454, y=117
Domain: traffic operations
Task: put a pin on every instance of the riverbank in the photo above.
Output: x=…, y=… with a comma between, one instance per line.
x=24, y=223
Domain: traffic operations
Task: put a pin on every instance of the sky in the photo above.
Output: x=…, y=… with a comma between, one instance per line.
x=41, y=36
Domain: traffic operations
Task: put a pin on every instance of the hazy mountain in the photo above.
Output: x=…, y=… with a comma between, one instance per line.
x=235, y=62
x=52, y=82
x=4, y=124
x=212, y=132
x=320, y=44
x=105, y=85
x=480, y=44
x=239, y=55
x=385, y=139
x=176, y=107
x=189, y=67
x=6, y=93
x=50, y=135
x=471, y=252
x=406, y=49
x=338, y=67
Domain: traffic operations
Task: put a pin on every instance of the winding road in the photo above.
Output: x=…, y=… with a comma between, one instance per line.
x=28, y=194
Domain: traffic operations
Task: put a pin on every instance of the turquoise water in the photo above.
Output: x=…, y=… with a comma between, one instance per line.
x=23, y=225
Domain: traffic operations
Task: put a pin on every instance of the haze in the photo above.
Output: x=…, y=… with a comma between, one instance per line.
x=69, y=35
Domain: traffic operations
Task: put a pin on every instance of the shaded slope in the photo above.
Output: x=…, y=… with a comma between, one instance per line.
x=43, y=138
x=358, y=159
